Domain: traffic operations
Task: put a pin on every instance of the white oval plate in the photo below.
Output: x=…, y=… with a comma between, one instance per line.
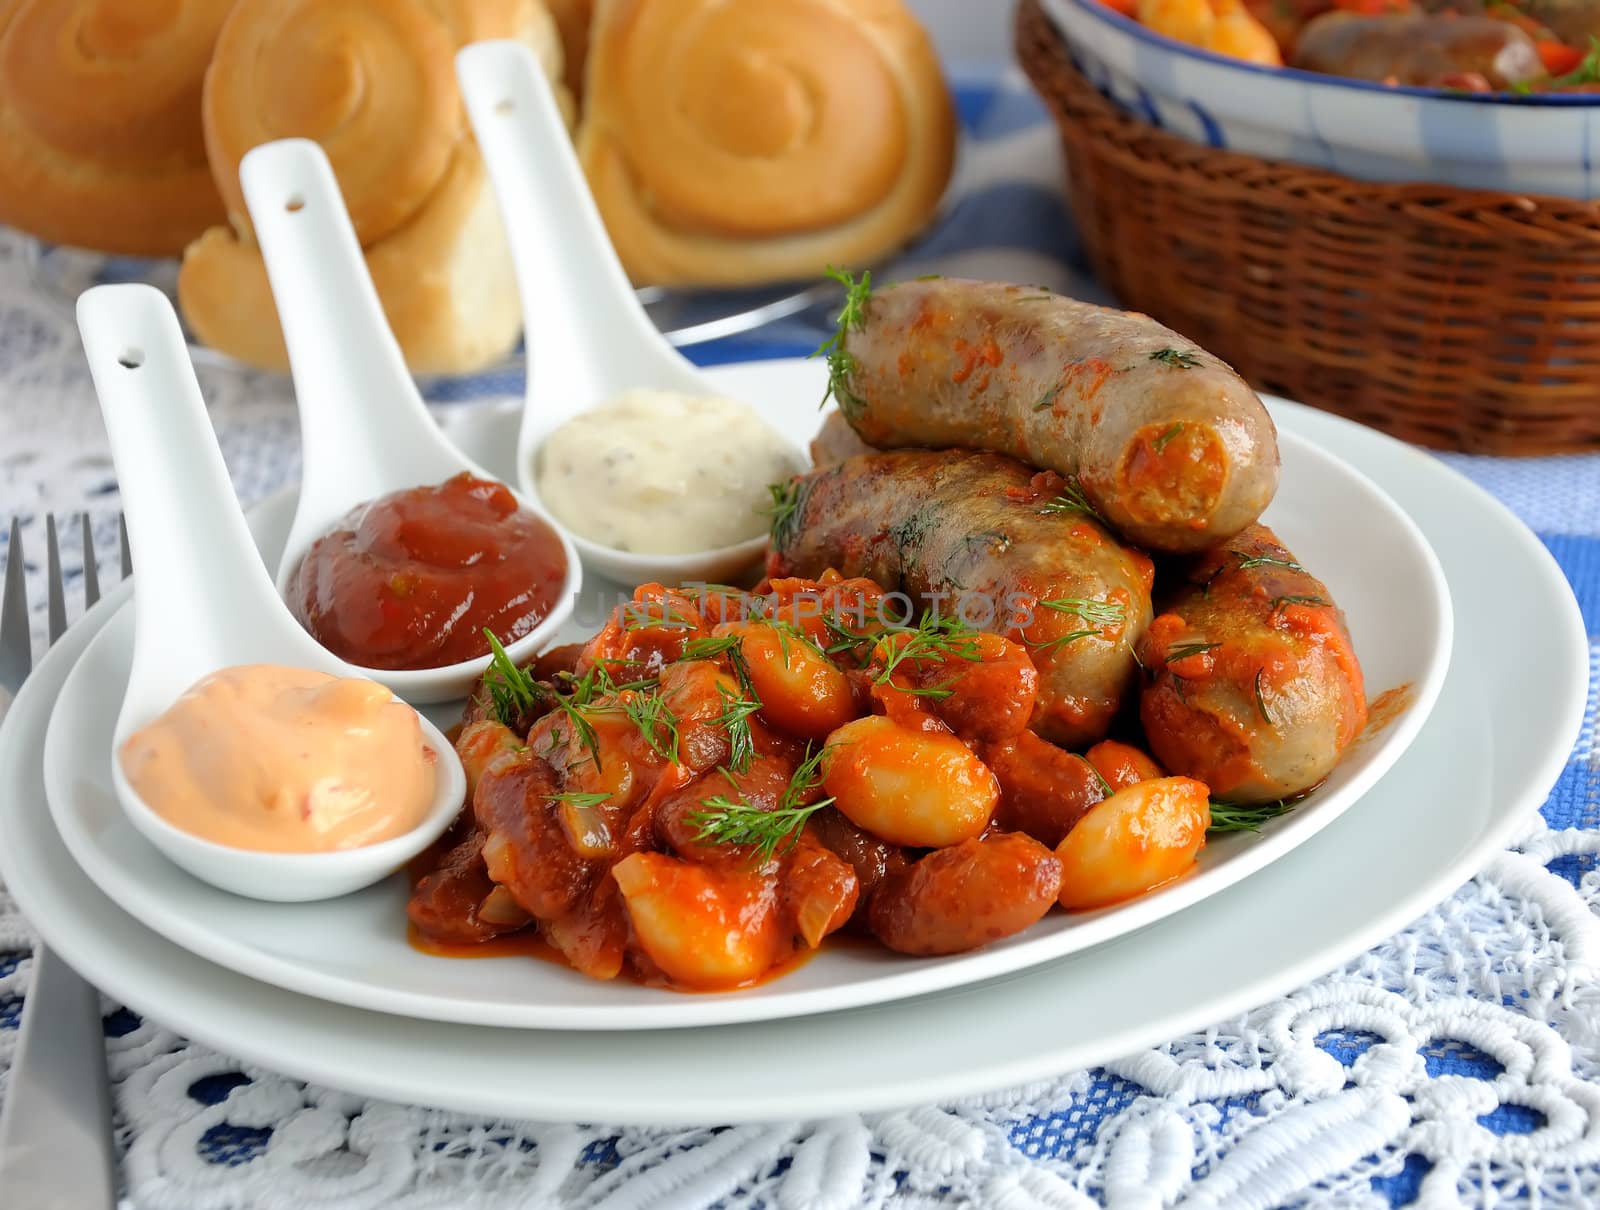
x=1501, y=733
x=354, y=950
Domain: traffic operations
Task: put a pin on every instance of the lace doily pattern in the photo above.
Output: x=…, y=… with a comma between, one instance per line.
x=1458, y=1063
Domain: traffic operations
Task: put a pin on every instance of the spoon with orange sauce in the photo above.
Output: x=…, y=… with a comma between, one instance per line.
x=245, y=752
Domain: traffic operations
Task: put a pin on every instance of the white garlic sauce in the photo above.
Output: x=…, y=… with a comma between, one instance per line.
x=663, y=473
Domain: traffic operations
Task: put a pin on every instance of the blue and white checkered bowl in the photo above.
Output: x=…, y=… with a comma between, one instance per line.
x=1373, y=132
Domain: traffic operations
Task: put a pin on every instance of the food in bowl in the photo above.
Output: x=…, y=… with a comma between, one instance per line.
x=1521, y=46
x=662, y=472
x=284, y=760
x=415, y=578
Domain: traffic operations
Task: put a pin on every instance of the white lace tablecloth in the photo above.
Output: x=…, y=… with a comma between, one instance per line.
x=1458, y=1063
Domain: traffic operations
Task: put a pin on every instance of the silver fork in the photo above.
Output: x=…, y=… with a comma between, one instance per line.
x=56, y=1147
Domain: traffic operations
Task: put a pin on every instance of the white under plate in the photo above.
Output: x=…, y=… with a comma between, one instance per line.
x=354, y=950
x=1499, y=736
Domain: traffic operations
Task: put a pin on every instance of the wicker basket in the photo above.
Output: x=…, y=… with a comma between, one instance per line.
x=1454, y=318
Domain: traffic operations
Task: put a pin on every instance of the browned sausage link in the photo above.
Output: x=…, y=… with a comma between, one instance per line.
x=1418, y=50
x=836, y=440
x=549, y=665
x=697, y=694
x=1172, y=446
x=965, y=896
x=480, y=707
x=983, y=537
x=594, y=937
x=525, y=848
x=1255, y=686
x=444, y=904
x=870, y=857
x=1044, y=790
x=677, y=830
x=817, y=890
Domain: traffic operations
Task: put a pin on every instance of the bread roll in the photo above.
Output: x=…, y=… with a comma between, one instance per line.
x=737, y=141
x=100, y=141
x=373, y=82
x=572, y=21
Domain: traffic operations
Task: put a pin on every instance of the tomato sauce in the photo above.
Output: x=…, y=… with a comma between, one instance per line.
x=411, y=580
x=529, y=944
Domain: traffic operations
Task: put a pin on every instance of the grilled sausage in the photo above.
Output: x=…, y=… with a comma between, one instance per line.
x=1044, y=790
x=968, y=895
x=446, y=904
x=1423, y=51
x=836, y=440
x=1167, y=442
x=983, y=537
x=1256, y=690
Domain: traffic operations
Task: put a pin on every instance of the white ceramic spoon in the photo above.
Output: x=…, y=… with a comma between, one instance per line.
x=364, y=431
x=202, y=598
x=588, y=336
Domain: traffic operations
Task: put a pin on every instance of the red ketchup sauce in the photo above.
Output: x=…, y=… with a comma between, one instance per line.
x=411, y=579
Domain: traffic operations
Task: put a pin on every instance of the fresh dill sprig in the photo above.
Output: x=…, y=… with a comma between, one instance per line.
x=655, y=721
x=1099, y=614
x=730, y=645
x=1279, y=603
x=1104, y=613
x=1246, y=562
x=1061, y=640
x=1048, y=399
x=642, y=615
x=845, y=639
x=841, y=363
x=735, y=720
x=1071, y=500
x=581, y=798
x=735, y=822
x=935, y=639
x=1243, y=817
x=583, y=728
x=731, y=821
x=783, y=512
x=512, y=690
x=787, y=631
x=1161, y=442
x=1099, y=776
x=937, y=692
x=1182, y=651
x=1176, y=358
x=583, y=690
x=1261, y=702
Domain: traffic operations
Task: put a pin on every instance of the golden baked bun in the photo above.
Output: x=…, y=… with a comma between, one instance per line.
x=737, y=141
x=100, y=141
x=373, y=82
x=572, y=22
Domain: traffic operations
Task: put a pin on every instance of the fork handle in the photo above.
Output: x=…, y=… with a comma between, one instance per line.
x=59, y=1156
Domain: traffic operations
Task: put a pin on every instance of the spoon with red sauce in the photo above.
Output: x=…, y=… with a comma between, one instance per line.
x=402, y=551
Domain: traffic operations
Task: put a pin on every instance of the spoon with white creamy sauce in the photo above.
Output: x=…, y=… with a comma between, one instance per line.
x=623, y=440
x=364, y=430
x=246, y=740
